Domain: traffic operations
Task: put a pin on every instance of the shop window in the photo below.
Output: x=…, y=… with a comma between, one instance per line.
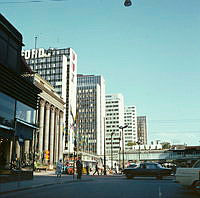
x=25, y=113
x=7, y=109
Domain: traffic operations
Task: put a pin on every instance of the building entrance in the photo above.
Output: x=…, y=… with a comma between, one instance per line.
x=4, y=152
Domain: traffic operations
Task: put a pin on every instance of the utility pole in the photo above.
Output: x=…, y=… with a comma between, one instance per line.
x=112, y=151
x=104, y=147
x=122, y=128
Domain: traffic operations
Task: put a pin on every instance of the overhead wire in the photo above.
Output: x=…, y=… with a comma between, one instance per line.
x=30, y=1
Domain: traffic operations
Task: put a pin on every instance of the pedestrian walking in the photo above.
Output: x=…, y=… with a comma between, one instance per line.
x=59, y=168
x=87, y=168
x=79, y=167
x=96, y=169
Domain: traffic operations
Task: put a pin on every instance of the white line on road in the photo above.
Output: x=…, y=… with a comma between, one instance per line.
x=159, y=192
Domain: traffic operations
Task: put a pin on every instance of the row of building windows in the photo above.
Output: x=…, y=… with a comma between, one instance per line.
x=45, y=60
x=82, y=90
x=51, y=71
x=88, y=80
x=112, y=143
x=112, y=118
x=111, y=114
x=129, y=133
x=129, y=116
x=56, y=65
x=108, y=110
x=91, y=97
x=113, y=126
x=112, y=122
x=111, y=106
x=51, y=78
x=111, y=102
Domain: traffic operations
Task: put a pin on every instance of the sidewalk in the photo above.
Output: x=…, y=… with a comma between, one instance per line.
x=40, y=179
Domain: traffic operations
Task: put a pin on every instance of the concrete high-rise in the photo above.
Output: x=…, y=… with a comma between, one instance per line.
x=59, y=67
x=130, y=133
x=91, y=113
x=114, y=119
x=142, y=129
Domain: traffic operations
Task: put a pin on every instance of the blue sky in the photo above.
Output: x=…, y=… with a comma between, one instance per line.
x=149, y=52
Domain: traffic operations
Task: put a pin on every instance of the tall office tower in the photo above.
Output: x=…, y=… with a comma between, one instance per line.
x=142, y=129
x=114, y=119
x=91, y=113
x=130, y=133
x=59, y=67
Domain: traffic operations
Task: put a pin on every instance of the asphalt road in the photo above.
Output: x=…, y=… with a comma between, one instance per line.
x=109, y=187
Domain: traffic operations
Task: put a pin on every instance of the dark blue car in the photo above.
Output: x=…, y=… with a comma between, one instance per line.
x=147, y=169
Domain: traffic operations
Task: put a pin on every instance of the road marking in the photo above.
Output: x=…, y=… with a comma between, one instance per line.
x=159, y=192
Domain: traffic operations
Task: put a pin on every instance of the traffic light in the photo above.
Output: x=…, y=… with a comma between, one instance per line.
x=47, y=155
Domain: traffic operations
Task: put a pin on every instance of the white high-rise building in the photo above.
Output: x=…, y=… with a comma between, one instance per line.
x=91, y=113
x=114, y=119
x=130, y=133
x=59, y=67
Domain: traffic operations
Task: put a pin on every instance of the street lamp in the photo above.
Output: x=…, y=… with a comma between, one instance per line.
x=139, y=143
x=122, y=128
x=119, y=152
x=127, y=3
x=111, y=151
x=104, y=164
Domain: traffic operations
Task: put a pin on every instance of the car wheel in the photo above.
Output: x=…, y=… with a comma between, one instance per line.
x=197, y=187
x=129, y=176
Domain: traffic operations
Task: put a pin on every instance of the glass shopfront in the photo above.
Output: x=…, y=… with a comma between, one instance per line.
x=16, y=134
x=7, y=114
x=4, y=150
x=25, y=113
x=7, y=110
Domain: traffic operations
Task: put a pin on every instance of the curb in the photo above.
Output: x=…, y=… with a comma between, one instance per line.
x=43, y=185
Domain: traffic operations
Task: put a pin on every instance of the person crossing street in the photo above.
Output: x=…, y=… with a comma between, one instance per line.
x=96, y=169
x=79, y=167
x=59, y=168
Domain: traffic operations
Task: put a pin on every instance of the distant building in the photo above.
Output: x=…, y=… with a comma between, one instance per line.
x=91, y=113
x=146, y=147
x=59, y=68
x=130, y=133
x=142, y=129
x=114, y=119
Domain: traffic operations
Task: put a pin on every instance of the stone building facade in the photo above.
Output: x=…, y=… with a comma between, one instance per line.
x=50, y=135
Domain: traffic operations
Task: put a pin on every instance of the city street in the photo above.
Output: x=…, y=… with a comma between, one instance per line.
x=109, y=187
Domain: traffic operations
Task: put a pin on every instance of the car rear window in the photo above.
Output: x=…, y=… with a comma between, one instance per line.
x=151, y=166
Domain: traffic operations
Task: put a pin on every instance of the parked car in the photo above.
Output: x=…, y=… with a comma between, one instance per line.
x=147, y=169
x=189, y=177
x=132, y=165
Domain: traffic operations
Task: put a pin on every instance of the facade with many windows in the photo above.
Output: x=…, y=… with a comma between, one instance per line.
x=59, y=68
x=142, y=129
x=91, y=113
x=130, y=133
x=114, y=119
